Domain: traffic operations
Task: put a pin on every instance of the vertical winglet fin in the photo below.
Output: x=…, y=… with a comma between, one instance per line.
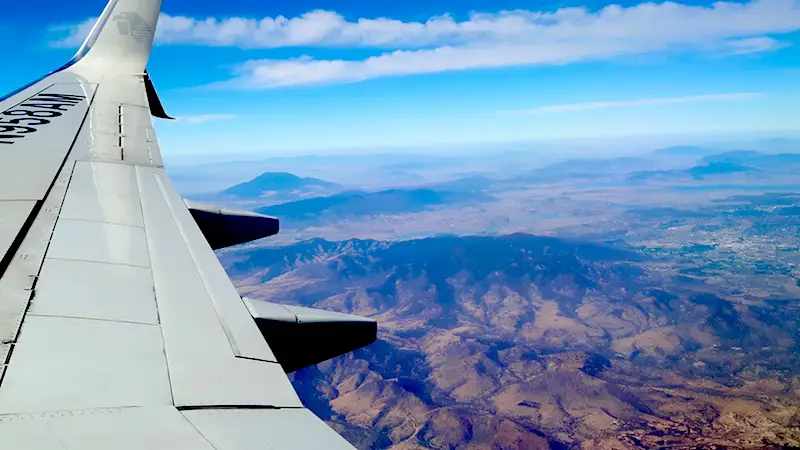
x=122, y=38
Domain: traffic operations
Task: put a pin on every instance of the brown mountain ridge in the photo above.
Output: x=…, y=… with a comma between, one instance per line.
x=522, y=341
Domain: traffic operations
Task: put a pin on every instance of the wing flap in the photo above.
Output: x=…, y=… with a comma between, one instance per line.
x=167, y=428
x=236, y=429
x=96, y=291
x=105, y=364
x=117, y=428
x=79, y=240
x=103, y=192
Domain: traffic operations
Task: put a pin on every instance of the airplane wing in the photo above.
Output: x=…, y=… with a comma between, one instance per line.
x=119, y=328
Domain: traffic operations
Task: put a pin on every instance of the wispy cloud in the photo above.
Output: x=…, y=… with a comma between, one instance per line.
x=204, y=118
x=751, y=45
x=508, y=38
x=263, y=74
x=71, y=36
x=669, y=22
x=639, y=102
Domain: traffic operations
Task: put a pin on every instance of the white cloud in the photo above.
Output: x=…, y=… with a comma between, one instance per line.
x=666, y=22
x=749, y=45
x=72, y=35
x=507, y=38
x=262, y=74
x=203, y=118
x=639, y=102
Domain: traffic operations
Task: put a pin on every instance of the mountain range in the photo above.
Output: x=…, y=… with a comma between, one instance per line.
x=700, y=172
x=353, y=204
x=669, y=164
x=778, y=161
x=535, y=342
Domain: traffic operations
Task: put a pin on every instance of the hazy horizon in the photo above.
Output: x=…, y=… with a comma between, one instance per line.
x=281, y=77
x=601, y=147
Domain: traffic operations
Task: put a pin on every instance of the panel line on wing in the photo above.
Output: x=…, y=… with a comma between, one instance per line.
x=116, y=223
x=194, y=427
x=256, y=359
x=67, y=316
x=61, y=412
x=112, y=263
x=222, y=407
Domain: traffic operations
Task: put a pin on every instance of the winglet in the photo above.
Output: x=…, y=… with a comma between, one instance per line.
x=121, y=40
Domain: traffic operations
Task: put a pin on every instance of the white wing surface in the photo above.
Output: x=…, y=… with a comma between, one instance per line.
x=119, y=329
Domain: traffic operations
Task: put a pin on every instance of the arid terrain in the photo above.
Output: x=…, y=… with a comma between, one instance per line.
x=635, y=314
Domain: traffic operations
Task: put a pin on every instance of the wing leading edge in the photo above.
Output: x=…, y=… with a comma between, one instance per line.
x=118, y=326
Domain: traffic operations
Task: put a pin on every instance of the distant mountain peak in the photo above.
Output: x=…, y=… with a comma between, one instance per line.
x=718, y=168
x=278, y=181
x=276, y=176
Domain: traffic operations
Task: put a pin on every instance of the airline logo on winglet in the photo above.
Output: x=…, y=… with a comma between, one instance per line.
x=133, y=25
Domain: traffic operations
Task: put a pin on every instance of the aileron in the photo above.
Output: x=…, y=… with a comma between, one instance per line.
x=96, y=291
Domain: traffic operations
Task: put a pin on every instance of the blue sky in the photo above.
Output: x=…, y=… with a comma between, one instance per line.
x=325, y=76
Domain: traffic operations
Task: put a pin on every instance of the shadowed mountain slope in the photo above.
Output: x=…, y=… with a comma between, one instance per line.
x=533, y=342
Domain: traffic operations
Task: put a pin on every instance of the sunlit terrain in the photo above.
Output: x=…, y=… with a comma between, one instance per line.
x=643, y=301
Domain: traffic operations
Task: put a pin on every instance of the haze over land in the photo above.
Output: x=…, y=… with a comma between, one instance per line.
x=629, y=280
x=543, y=302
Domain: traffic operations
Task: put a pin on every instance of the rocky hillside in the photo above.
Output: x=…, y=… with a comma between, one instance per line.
x=524, y=342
